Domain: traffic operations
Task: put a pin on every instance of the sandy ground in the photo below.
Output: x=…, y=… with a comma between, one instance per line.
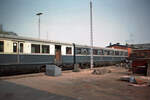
x=72, y=86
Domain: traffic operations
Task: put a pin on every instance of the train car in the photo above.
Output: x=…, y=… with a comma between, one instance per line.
x=26, y=55
x=101, y=56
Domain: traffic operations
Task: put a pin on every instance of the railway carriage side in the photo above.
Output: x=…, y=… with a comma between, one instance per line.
x=64, y=56
x=19, y=55
x=22, y=56
x=26, y=52
x=101, y=56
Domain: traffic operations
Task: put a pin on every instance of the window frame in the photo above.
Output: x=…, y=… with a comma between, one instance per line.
x=95, y=51
x=111, y=52
x=78, y=50
x=116, y=53
x=15, y=51
x=70, y=50
x=2, y=47
x=84, y=51
x=42, y=49
x=20, y=47
x=35, y=49
x=100, y=52
x=105, y=52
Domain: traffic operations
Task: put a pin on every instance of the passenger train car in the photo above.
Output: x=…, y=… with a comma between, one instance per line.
x=26, y=55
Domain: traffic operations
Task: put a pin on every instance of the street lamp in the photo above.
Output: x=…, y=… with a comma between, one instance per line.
x=38, y=14
x=91, y=35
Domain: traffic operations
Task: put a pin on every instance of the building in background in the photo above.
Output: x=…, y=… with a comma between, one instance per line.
x=2, y=32
x=140, y=46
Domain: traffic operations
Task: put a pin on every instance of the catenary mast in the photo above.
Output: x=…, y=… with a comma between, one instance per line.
x=91, y=33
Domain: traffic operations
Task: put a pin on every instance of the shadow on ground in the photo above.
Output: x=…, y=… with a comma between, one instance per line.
x=12, y=91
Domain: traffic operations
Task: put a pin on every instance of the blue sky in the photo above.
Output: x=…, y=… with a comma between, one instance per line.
x=68, y=20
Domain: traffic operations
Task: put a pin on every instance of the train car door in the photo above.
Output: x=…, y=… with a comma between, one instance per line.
x=58, y=54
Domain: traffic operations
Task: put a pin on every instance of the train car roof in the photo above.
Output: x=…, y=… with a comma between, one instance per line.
x=95, y=47
x=31, y=39
x=51, y=41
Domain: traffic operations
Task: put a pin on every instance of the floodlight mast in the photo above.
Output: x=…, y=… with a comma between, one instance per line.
x=38, y=14
x=91, y=35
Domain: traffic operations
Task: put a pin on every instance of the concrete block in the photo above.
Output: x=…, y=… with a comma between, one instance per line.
x=53, y=70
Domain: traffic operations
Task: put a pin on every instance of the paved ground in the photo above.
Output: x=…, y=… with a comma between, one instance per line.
x=72, y=86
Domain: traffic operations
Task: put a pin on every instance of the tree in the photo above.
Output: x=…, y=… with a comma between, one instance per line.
x=8, y=33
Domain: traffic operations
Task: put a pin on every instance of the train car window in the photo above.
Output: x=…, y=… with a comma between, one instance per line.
x=121, y=53
x=105, y=52
x=108, y=52
x=116, y=52
x=100, y=52
x=95, y=52
x=21, y=47
x=68, y=50
x=1, y=46
x=35, y=48
x=126, y=53
x=45, y=48
x=111, y=52
x=78, y=51
x=88, y=51
x=14, y=47
x=84, y=51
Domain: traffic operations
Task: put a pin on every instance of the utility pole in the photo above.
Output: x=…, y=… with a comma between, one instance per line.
x=38, y=14
x=91, y=35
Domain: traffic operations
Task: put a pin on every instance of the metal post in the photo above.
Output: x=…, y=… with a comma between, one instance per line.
x=74, y=54
x=18, y=52
x=39, y=26
x=91, y=30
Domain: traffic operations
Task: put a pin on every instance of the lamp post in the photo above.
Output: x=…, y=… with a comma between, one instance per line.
x=38, y=14
x=91, y=35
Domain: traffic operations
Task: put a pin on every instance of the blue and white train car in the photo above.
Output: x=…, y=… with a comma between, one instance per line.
x=101, y=56
x=26, y=55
